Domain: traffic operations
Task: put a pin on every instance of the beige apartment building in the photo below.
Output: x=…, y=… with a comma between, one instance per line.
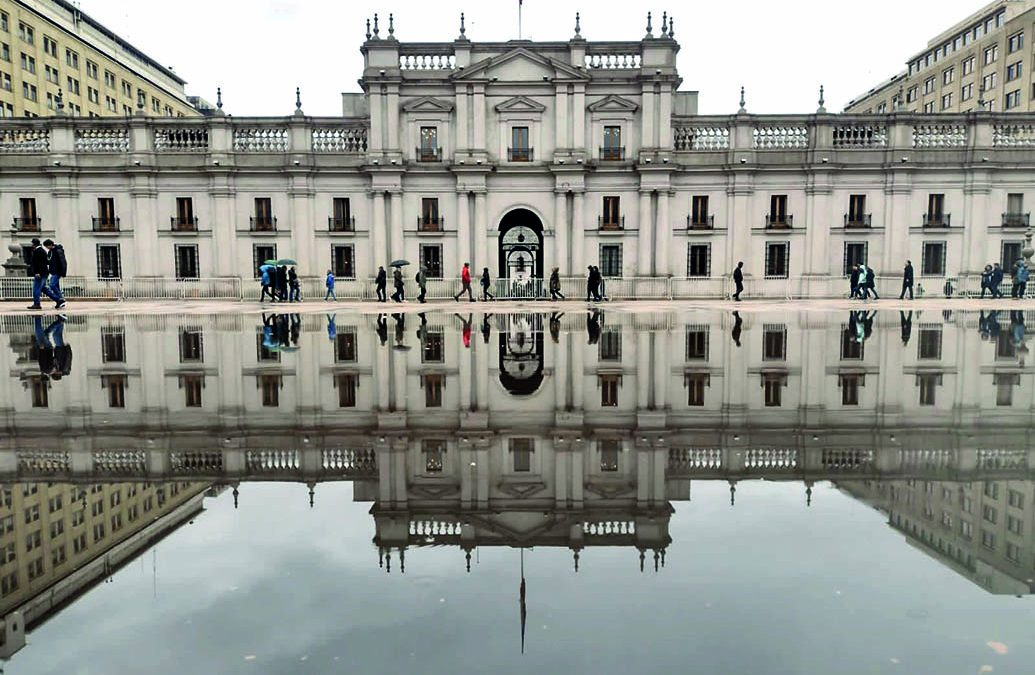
x=50, y=47
x=984, y=61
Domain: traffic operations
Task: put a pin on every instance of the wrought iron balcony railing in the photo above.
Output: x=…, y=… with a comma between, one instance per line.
x=105, y=224
x=28, y=224
x=1016, y=219
x=430, y=224
x=520, y=154
x=780, y=221
x=611, y=223
x=179, y=224
x=936, y=220
x=612, y=153
x=343, y=224
x=264, y=223
x=428, y=154
x=700, y=222
x=858, y=221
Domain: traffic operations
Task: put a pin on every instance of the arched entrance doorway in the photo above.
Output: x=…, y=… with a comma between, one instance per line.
x=521, y=246
x=522, y=356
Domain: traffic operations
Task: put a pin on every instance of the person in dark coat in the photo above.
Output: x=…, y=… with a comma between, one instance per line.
x=593, y=327
x=738, y=327
x=555, y=284
x=853, y=283
x=870, y=283
x=986, y=281
x=997, y=280
x=296, y=287
x=382, y=329
x=907, y=280
x=58, y=270
x=282, y=283
x=400, y=290
x=381, y=284
x=39, y=268
x=486, y=282
x=906, y=321
x=738, y=280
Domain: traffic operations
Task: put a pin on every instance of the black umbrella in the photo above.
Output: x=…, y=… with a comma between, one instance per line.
x=399, y=263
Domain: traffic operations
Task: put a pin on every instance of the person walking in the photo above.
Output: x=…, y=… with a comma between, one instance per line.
x=738, y=280
x=986, y=281
x=555, y=284
x=465, y=283
x=870, y=284
x=267, y=284
x=422, y=284
x=997, y=280
x=853, y=283
x=282, y=283
x=486, y=282
x=295, y=294
x=907, y=281
x=381, y=284
x=39, y=267
x=400, y=291
x=332, y=327
x=738, y=327
x=906, y=321
x=329, y=282
x=1020, y=280
x=58, y=268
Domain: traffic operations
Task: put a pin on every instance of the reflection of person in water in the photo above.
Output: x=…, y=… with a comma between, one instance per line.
x=906, y=319
x=296, y=328
x=1017, y=328
x=486, y=328
x=593, y=327
x=555, y=327
x=332, y=327
x=422, y=329
x=992, y=323
x=382, y=328
x=269, y=339
x=738, y=327
x=400, y=329
x=466, y=330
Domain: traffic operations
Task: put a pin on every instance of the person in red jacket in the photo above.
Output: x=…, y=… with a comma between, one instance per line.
x=465, y=281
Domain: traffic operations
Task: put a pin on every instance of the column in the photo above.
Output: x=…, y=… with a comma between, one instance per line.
x=661, y=356
x=663, y=237
x=223, y=235
x=479, y=117
x=645, y=241
x=392, y=118
x=665, y=116
x=463, y=230
x=817, y=235
x=466, y=369
x=462, y=119
x=376, y=143
x=145, y=236
x=395, y=232
x=578, y=138
x=481, y=376
x=578, y=237
x=643, y=370
x=480, y=256
x=561, y=374
x=578, y=374
x=647, y=120
x=377, y=231
x=560, y=234
x=975, y=227
x=560, y=117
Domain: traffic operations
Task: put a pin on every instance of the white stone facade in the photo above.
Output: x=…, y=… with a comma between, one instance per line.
x=585, y=153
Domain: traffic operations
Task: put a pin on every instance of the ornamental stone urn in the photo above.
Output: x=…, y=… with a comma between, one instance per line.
x=15, y=265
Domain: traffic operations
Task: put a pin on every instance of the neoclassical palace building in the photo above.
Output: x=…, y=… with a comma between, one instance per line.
x=520, y=157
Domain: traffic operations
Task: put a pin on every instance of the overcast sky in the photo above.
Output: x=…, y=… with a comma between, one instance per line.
x=258, y=51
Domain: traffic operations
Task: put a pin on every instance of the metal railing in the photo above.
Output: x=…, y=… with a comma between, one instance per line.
x=28, y=224
x=428, y=154
x=184, y=224
x=520, y=154
x=780, y=221
x=700, y=222
x=937, y=219
x=346, y=224
x=1016, y=219
x=263, y=223
x=611, y=153
x=857, y=221
x=426, y=224
x=610, y=224
x=106, y=224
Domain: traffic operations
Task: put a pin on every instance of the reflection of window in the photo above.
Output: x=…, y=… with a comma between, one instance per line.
x=611, y=346
x=1004, y=386
x=774, y=343
x=432, y=385
x=434, y=452
x=521, y=450
x=930, y=346
x=270, y=386
x=610, y=450
x=192, y=386
x=851, y=349
x=850, y=389
x=772, y=386
x=116, y=386
x=696, y=343
x=696, y=384
x=40, y=393
x=928, y=384
x=345, y=346
x=264, y=353
x=432, y=348
x=346, y=383
x=609, y=386
x=113, y=345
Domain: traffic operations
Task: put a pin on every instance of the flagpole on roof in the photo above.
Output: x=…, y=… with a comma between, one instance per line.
x=521, y=4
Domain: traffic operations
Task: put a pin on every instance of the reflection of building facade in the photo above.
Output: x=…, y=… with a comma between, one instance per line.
x=58, y=539
x=520, y=157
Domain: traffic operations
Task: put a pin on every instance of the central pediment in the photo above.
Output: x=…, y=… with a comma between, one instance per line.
x=520, y=104
x=520, y=65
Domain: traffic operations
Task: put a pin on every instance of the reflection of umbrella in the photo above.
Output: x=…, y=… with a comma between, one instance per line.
x=399, y=263
x=287, y=261
x=402, y=348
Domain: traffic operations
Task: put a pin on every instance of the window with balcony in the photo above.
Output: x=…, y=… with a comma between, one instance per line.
x=1015, y=215
x=434, y=452
x=187, y=266
x=611, y=261
x=696, y=343
x=854, y=254
x=28, y=219
x=699, y=260
x=192, y=345
x=520, y=150
x=778, y=216
x=936, y=215
x=343, y=261
x=106, y=220
x=696, y=386
x=777, y=259
x=429, y=220
x=341, y=219
x=612, y=217
x=429, y=150
x=263, y=220
x=932, y=263
x=700, y=218
x=857, y=216
x=609, y=387
x=433, y=385
x=346, y=384
x=184, y=220
x=613, y=150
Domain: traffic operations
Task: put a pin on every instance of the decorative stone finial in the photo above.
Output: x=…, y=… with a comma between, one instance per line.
x=368, y=29
x=236, y=494
x=391, y=25
x=219, y=98
x=650, y=26
x=312, y=494
x=377, y=29
x=808, y=496
x=578, y=24
x=733, y=493
x=672, y=27
x=59, y=102
x=298, y=101
x=643, y=555
x=576, y=557
x=1028, y=252
x=468, y=556
x=463, y=26
x=822, y=100
x=664, y=24
x=743, y=103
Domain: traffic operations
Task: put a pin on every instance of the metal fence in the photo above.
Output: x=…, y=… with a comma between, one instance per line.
x=572, y=288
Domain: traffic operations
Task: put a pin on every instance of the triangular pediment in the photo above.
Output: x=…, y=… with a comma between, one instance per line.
x=613, y=103
x=427, y=104
x=610, y=490
x=520, y=65
x=520, y=104
x=434, y=491
x=521, y=490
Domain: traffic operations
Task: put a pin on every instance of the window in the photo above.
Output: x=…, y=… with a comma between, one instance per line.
x=260, y=254
x=1016, y=500
x=1015, y=42
x=967, y=92
x=110, y=104
x=777, y=259
x=696, y=343
x=928, y=384
x=699, y=214
x=263, y=219
x=431, y=259
x=855, y=254
x=192, y=386
x=91, y=70
x=1014, y=71
x=116, y=386
x=611, y=260
x=72, y=58
x=28, y=63
x=968, y=66
x=912, y=94
x=929, y=85
x=429, y=220
x=156, y=105
x=127, y=89
x=519, y=145
x=774, y=343
x=26, y=33
x=343, y=262
x=930, y=343
x=98, y=532
x=610, y=450
x=433, y=347
x=778, y=212
x=270, y=386
x=5, y=52
x=434, y=452
x=696, y=384
x=857, y=211
x=5, y=22
x=935, y=216
x=9, y=583
x=109, y=261
x=850, y=389
x=50, y=45
x=699, y=260
x=106, y=219
x=521, y=450
x=1004, y=386
x=93, y=95
x=109, y=79
x=609, y=386
x=612, y=150
x=433, y=386
x=428, y=150
x=991, y=54
x=929, y=107
x=192, y=345
x=946, y=101
x=32, y=514
x=932, y=263
x=772, y=389
x=187, y=261
x=345, y=347
x=989, y=514
x=1013, y=99
x=988, y=540
x=948, y=75
x=184, y=219
x=989, y=82
x=612, y=218
x=341, y=221
x=611, y=346
x=346, y=384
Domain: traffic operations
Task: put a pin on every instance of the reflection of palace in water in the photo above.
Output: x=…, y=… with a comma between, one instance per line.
x=573, y=431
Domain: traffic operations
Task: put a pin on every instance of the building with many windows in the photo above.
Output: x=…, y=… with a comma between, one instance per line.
x=982, y=63
x=50, y=50
x=520, y=157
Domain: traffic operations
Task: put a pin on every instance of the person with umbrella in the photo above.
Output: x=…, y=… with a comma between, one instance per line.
x=397, y=279
x=282, y=282
x=265, y=273
x=381, y=284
